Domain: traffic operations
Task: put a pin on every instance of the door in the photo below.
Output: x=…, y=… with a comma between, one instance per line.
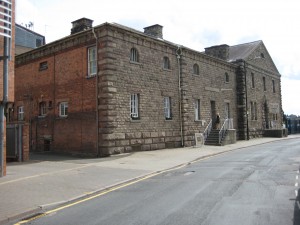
x=213, y=112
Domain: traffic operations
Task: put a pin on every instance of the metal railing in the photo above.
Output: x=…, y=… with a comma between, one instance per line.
x=207, y=130
x=228, y=124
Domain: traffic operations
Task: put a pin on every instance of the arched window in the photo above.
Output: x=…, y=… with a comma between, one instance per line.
x=166, y=63
x=196, y=69
x=134, y=55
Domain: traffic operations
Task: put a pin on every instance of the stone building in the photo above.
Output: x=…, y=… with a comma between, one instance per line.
x=110, y=89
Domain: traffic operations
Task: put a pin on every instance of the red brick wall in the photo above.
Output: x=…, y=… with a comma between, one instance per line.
x=65, y=79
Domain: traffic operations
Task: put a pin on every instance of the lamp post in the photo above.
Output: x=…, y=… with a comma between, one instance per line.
x=5, y=31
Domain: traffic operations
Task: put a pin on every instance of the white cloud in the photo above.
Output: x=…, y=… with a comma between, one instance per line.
x=194, y=23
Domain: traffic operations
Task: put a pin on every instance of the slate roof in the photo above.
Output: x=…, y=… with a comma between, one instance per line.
x=242, y=51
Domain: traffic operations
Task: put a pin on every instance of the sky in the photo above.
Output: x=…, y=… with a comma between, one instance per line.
x=193, y=23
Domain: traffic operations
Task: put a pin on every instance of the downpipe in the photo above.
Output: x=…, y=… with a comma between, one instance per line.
x=178, y=54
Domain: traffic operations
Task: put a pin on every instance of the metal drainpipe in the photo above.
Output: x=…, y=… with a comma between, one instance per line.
x=178, y=53
x=97, y=100
x=246, y=92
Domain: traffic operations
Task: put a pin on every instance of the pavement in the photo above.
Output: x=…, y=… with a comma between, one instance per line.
x=49, y=180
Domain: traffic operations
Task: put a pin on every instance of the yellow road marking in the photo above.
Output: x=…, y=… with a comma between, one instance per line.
x=113, y=189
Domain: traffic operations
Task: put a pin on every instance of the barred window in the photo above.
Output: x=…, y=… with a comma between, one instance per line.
x=197, y=109
x=167, y=108
x=134, y=106
x=273, y=84
x=166, y=64
x=196, y=69
x=264, y=84
x=253, y=109
x=226, y=77
x=252, y=80
x=134, y=55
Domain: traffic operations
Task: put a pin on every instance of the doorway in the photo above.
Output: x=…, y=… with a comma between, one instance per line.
x=213, y=112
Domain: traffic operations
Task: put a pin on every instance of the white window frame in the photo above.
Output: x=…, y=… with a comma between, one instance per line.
x=63, y=109
x=197, y=109
x=43, y=108
x=21, y=113
x=134, y=106
x=167, y=108
x=92, y=61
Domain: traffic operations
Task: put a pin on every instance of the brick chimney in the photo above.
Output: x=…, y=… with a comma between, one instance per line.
x=218, y=51
x=81, y=25
x=154, y=30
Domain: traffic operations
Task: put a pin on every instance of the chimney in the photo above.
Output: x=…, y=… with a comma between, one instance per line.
x=81, y=25
x=218, y=51
x=154, y=30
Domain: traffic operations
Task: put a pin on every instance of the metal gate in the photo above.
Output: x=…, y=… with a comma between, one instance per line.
x=14, y=141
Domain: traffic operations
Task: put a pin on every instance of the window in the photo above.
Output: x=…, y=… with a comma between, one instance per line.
x=167, y=108
x=21, y=113
x=38, y=43
x=42, y=109
x=196, y=69
x=226, y=77
x=197, y=109
x=134, y=106
x=253, y=109
x=273, y=84
x=264, y=83
x=92, y=62
x=227, y=110
x=43, y=66
x=134, y=55
x=166, y=63
x=252, y=80
x=63, y=109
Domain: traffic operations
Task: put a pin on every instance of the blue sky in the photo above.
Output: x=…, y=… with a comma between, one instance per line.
x=193, y=23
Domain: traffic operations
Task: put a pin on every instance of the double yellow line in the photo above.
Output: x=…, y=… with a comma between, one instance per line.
x=112, y=189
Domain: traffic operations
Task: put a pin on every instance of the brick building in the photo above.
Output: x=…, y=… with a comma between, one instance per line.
x=149, y=93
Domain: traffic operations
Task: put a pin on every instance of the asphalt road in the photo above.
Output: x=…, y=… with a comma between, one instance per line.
x=255, y=185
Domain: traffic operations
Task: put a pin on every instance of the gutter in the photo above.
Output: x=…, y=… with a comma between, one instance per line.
x=178, y=54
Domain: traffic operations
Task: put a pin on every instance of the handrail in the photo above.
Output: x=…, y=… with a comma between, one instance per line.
x=228, y=124
x=207, y=130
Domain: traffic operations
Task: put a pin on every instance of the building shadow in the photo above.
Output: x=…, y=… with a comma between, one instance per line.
x=297, y=210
